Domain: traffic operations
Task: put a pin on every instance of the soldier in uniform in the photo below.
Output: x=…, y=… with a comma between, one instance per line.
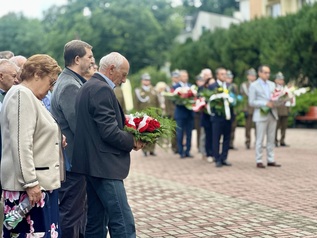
x=283, y=112
x=145, y=97
x=248, y=110
x=170, y=107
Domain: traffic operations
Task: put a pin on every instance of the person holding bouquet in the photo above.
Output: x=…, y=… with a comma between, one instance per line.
x=221, y=123
x=260, y=95
x=145, y=97
x=184, y=119
x=102, y=150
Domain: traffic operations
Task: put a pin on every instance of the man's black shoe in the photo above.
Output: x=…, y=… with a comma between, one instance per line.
x=152, y=153
x=225, y=163
x=273, y=164
x=285, y=145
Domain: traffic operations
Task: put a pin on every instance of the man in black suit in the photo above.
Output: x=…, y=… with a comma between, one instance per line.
x=102, y=150
x=221, y=125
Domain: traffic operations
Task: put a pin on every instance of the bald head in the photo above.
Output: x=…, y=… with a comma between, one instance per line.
x=8, y=74
x=115, y=67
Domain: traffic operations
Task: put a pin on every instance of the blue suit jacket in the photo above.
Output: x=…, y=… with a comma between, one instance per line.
x=181, y=112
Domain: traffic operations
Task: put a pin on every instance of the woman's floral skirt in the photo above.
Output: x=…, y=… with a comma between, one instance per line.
x=41, y=221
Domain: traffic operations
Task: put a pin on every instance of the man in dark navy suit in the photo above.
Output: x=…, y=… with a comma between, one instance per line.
x=185, y=121
x=221, y=125
x=102, y=150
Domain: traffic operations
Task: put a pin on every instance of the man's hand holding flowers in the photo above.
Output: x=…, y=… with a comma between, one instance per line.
x=148, y=126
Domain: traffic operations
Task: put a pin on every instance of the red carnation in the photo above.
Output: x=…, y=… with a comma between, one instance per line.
x=153, y=125
x=137, y=121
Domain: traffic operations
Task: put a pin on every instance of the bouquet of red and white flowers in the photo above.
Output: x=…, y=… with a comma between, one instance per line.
x=185, y=96
x=148, y=126
x=279, y=97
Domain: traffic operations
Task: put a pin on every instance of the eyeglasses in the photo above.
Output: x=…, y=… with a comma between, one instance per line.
x=266, y=72
x=53, y=81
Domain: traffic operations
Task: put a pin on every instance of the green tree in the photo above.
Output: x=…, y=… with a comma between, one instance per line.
x=21, y=35
x=143, y=31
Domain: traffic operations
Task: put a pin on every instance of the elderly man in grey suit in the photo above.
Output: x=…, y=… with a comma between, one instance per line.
x=78, y=58
x=260, y=97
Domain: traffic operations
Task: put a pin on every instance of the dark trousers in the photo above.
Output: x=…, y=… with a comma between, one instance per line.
x=208, y=141
x=221, y=128
x=184, y=126
x=233, y=131
x=108, y=207
x=248, y=126
x=72, y=206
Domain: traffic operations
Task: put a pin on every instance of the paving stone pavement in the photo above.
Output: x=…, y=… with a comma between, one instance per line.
x=173, y=197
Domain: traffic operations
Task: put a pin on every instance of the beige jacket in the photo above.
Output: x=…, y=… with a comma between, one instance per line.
x=31, y=142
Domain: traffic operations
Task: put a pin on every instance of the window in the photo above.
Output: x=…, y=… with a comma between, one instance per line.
x=274, y=10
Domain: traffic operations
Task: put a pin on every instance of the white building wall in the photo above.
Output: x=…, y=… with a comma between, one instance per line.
x=245, y=10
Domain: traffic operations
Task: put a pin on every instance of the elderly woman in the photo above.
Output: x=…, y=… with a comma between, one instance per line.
x=31, y=163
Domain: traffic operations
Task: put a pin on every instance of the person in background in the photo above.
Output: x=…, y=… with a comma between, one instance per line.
x=248, y=110
x=19, y=60
x=260, y=96
x=31, y=165
x=206, y=127
x=160, y=88
x=145, y=97
x=102, y=150
x=6, y=54
x=170, y=107
x=282, y=112
x=184, y=120
x=93, y=68
x=78, y=59
x=197, y=119
x=8, y=78
x=233, y=88
x=120, y=96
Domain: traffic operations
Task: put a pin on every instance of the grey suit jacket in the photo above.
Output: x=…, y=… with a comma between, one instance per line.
x=63, y=106
x=258, y=98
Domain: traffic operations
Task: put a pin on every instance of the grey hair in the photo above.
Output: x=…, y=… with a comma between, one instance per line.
x=5, y=63
x=206, y=70
x=114, y=58
x=19, y=60
x=219, y=69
